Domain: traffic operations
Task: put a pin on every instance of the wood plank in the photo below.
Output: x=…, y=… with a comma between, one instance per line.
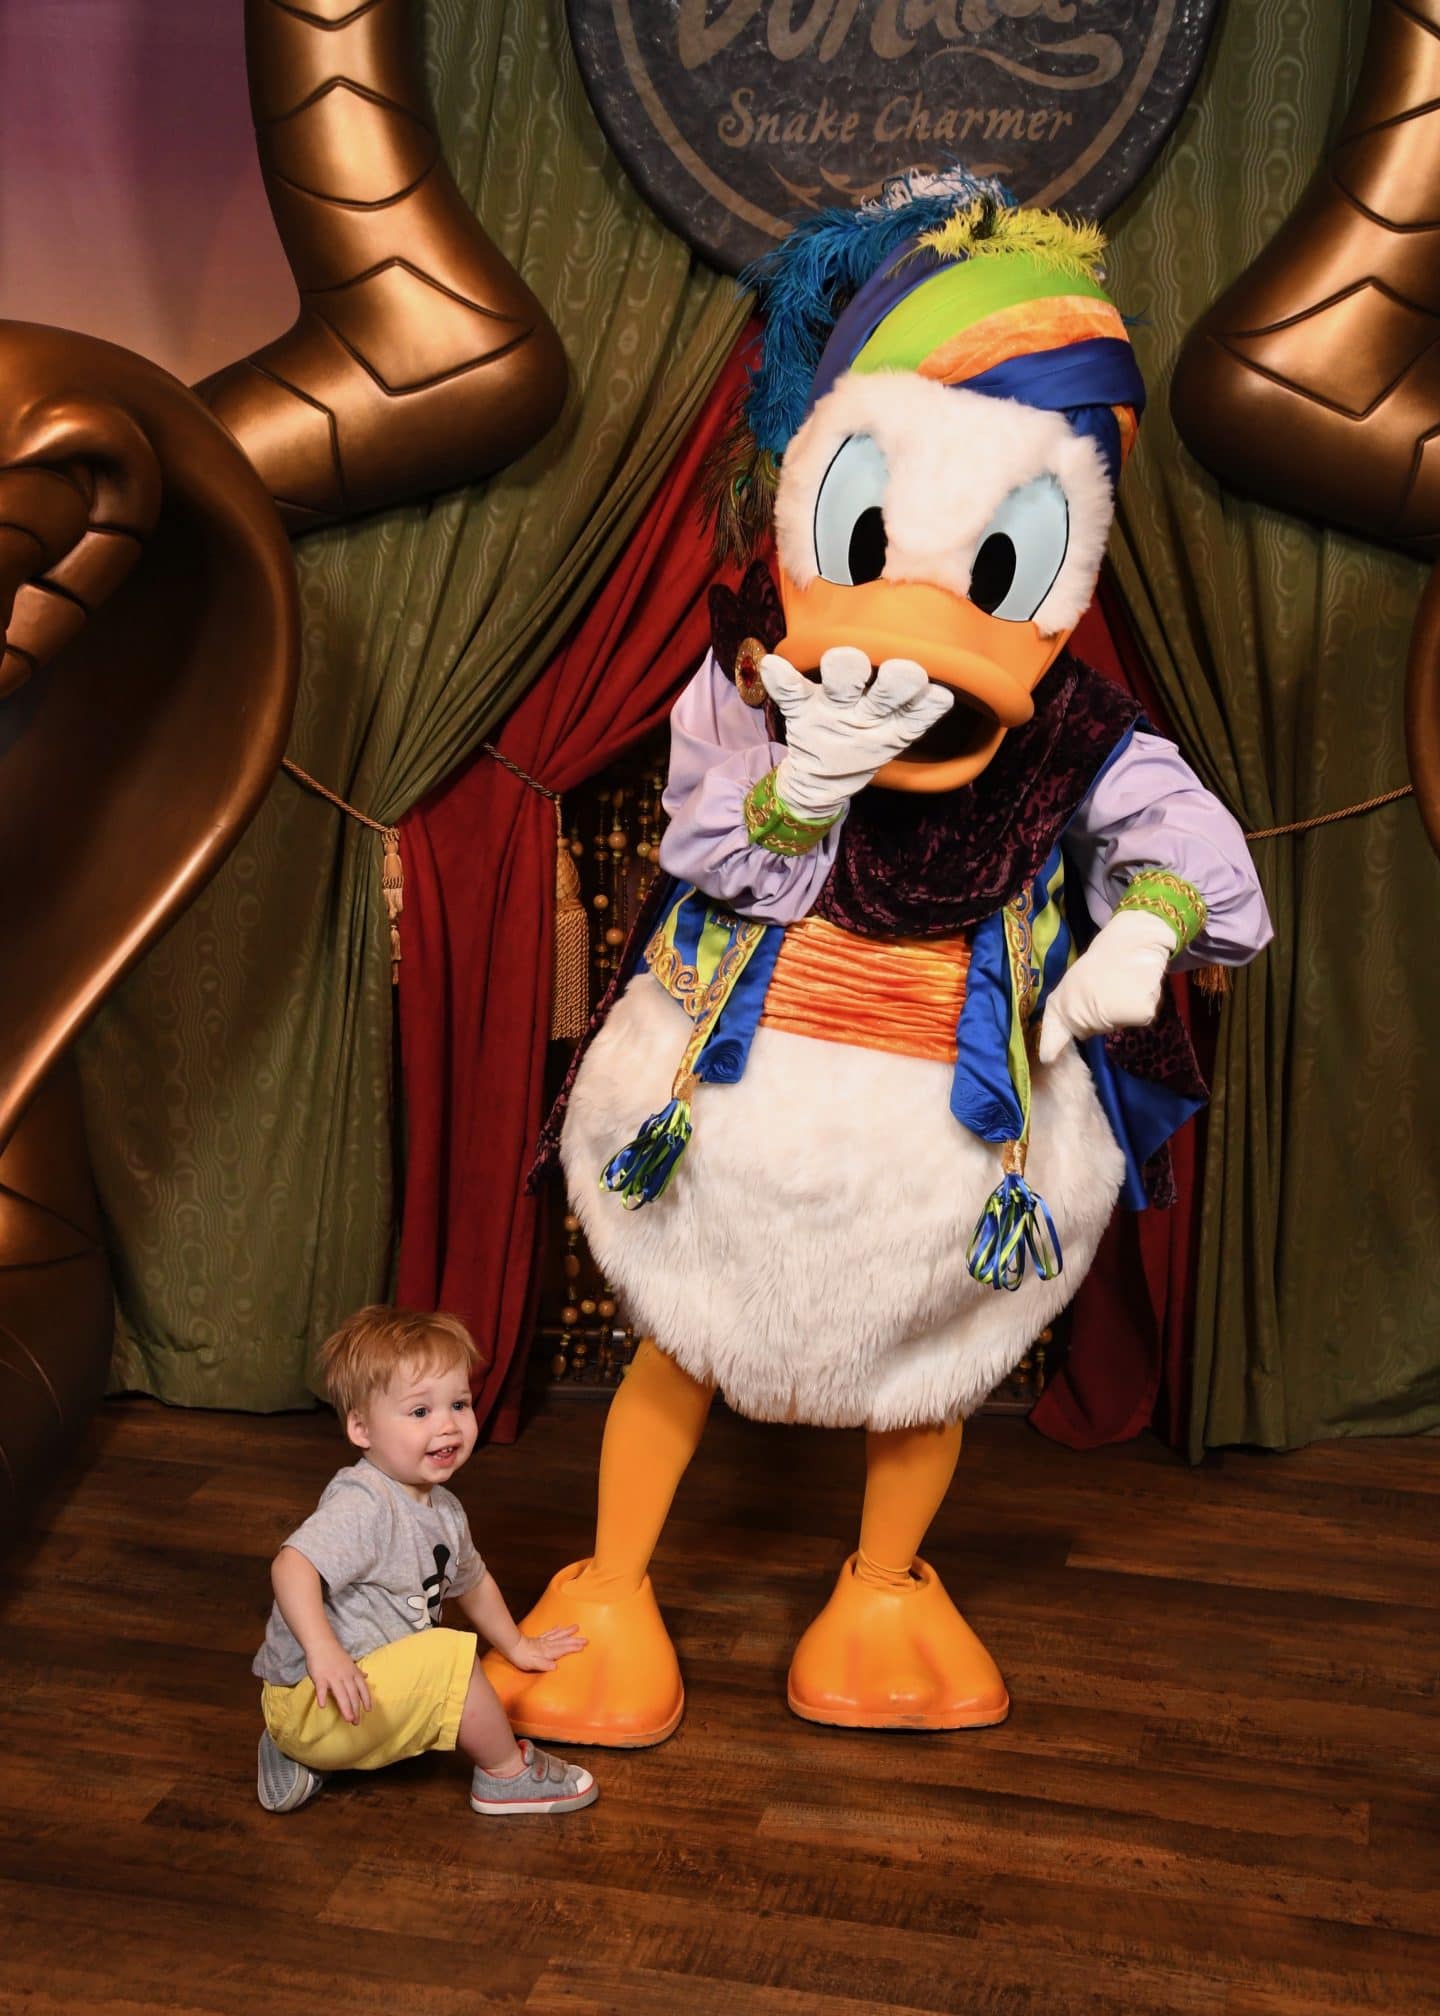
x=591, y=1988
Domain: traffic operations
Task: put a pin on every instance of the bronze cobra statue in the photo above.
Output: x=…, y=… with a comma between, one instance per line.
x=150, y=654
x=1313, y=383
x=419, y=360
x=151, y=646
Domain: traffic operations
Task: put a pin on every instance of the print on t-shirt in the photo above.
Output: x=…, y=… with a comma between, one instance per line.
x=427, y=1606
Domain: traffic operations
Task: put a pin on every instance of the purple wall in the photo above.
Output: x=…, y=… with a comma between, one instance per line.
x=131, y=205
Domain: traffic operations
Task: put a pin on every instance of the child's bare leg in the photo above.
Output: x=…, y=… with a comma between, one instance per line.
x=508, y=1780
x=485, y=1735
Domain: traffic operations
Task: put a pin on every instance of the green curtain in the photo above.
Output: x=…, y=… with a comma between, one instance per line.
x=240, y=1085
x=1280, y=651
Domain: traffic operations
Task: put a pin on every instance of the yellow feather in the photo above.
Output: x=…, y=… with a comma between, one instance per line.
x=1066, y=244
x=955, y=238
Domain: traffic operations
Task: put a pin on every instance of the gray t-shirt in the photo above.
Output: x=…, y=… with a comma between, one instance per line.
x=387, y=1563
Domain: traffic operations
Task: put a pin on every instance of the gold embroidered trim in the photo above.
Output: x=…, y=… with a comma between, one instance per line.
x=683, y=982
x=1170, y=897
x=772, y=825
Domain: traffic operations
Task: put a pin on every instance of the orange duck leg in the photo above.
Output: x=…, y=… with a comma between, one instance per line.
x=624, y=1690
x=890, y=1650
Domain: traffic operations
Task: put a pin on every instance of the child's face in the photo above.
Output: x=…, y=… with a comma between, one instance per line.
x=420, y=1428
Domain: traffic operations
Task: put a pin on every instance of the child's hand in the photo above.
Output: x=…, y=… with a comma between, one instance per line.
x=335, y=1673
x=540, y=1655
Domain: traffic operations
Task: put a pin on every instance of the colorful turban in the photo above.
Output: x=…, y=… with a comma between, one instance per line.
x=1012, y=327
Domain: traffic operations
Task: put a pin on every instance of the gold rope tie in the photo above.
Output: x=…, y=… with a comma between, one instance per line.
x=1216, y=979
x=1329, y=818
x=392, y=869
x=570, y=994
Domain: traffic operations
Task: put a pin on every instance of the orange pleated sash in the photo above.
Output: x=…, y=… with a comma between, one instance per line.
x=898, y=994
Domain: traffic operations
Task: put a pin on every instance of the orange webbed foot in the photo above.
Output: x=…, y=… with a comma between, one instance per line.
x=895, y=1658
x=623, y=1691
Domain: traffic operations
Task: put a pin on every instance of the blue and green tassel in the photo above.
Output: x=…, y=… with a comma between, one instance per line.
x=639, y=1173
x=1016, y=1221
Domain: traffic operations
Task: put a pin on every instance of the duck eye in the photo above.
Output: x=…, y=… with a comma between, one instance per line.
x=1021, y=551
x=849, y=521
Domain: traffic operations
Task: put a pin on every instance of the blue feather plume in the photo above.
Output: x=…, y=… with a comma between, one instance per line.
x=802, y=284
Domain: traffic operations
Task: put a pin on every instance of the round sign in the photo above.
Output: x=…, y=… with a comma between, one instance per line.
x=734, y=117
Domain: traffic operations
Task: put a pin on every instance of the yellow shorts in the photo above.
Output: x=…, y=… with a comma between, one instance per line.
x=417, y=1690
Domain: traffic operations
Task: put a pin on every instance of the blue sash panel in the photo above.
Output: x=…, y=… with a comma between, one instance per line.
x=723, y=1059
x=1005, y=994
x=982, y=1096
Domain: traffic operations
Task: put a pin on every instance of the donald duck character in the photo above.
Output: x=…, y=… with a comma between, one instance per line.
x=848, y=1138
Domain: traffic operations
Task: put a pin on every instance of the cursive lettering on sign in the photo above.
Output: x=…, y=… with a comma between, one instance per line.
x=799, y=28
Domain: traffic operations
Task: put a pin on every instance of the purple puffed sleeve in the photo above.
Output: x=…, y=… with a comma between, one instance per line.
x=718, y=749
x=1150, y=810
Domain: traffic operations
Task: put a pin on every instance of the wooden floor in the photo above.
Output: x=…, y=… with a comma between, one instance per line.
x=1217, y=1790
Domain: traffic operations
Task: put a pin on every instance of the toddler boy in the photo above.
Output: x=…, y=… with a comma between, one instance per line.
x=357, y=1669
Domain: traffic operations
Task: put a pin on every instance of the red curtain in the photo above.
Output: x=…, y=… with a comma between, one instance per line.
x=1131, y=1322
x=475, y=972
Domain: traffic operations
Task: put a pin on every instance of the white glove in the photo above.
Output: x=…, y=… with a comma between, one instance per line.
x=1113, y=985
x=838, y=734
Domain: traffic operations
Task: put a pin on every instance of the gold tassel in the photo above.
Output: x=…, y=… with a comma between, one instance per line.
x=570, y=997
x=392, y=888
x=1212, y=980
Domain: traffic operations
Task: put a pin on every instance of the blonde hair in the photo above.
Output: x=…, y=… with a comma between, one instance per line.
x=371, y=1346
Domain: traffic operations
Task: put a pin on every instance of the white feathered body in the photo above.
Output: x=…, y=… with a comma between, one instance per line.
x=808, y=1256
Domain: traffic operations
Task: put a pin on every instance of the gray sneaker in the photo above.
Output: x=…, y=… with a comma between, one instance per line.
x=546, y=1785
x=280, y=1783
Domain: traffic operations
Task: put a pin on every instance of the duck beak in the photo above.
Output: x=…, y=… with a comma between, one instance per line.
x=993, y=666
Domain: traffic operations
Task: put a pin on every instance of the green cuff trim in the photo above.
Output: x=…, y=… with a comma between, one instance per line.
x=1161, y=894
x=771, y=825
